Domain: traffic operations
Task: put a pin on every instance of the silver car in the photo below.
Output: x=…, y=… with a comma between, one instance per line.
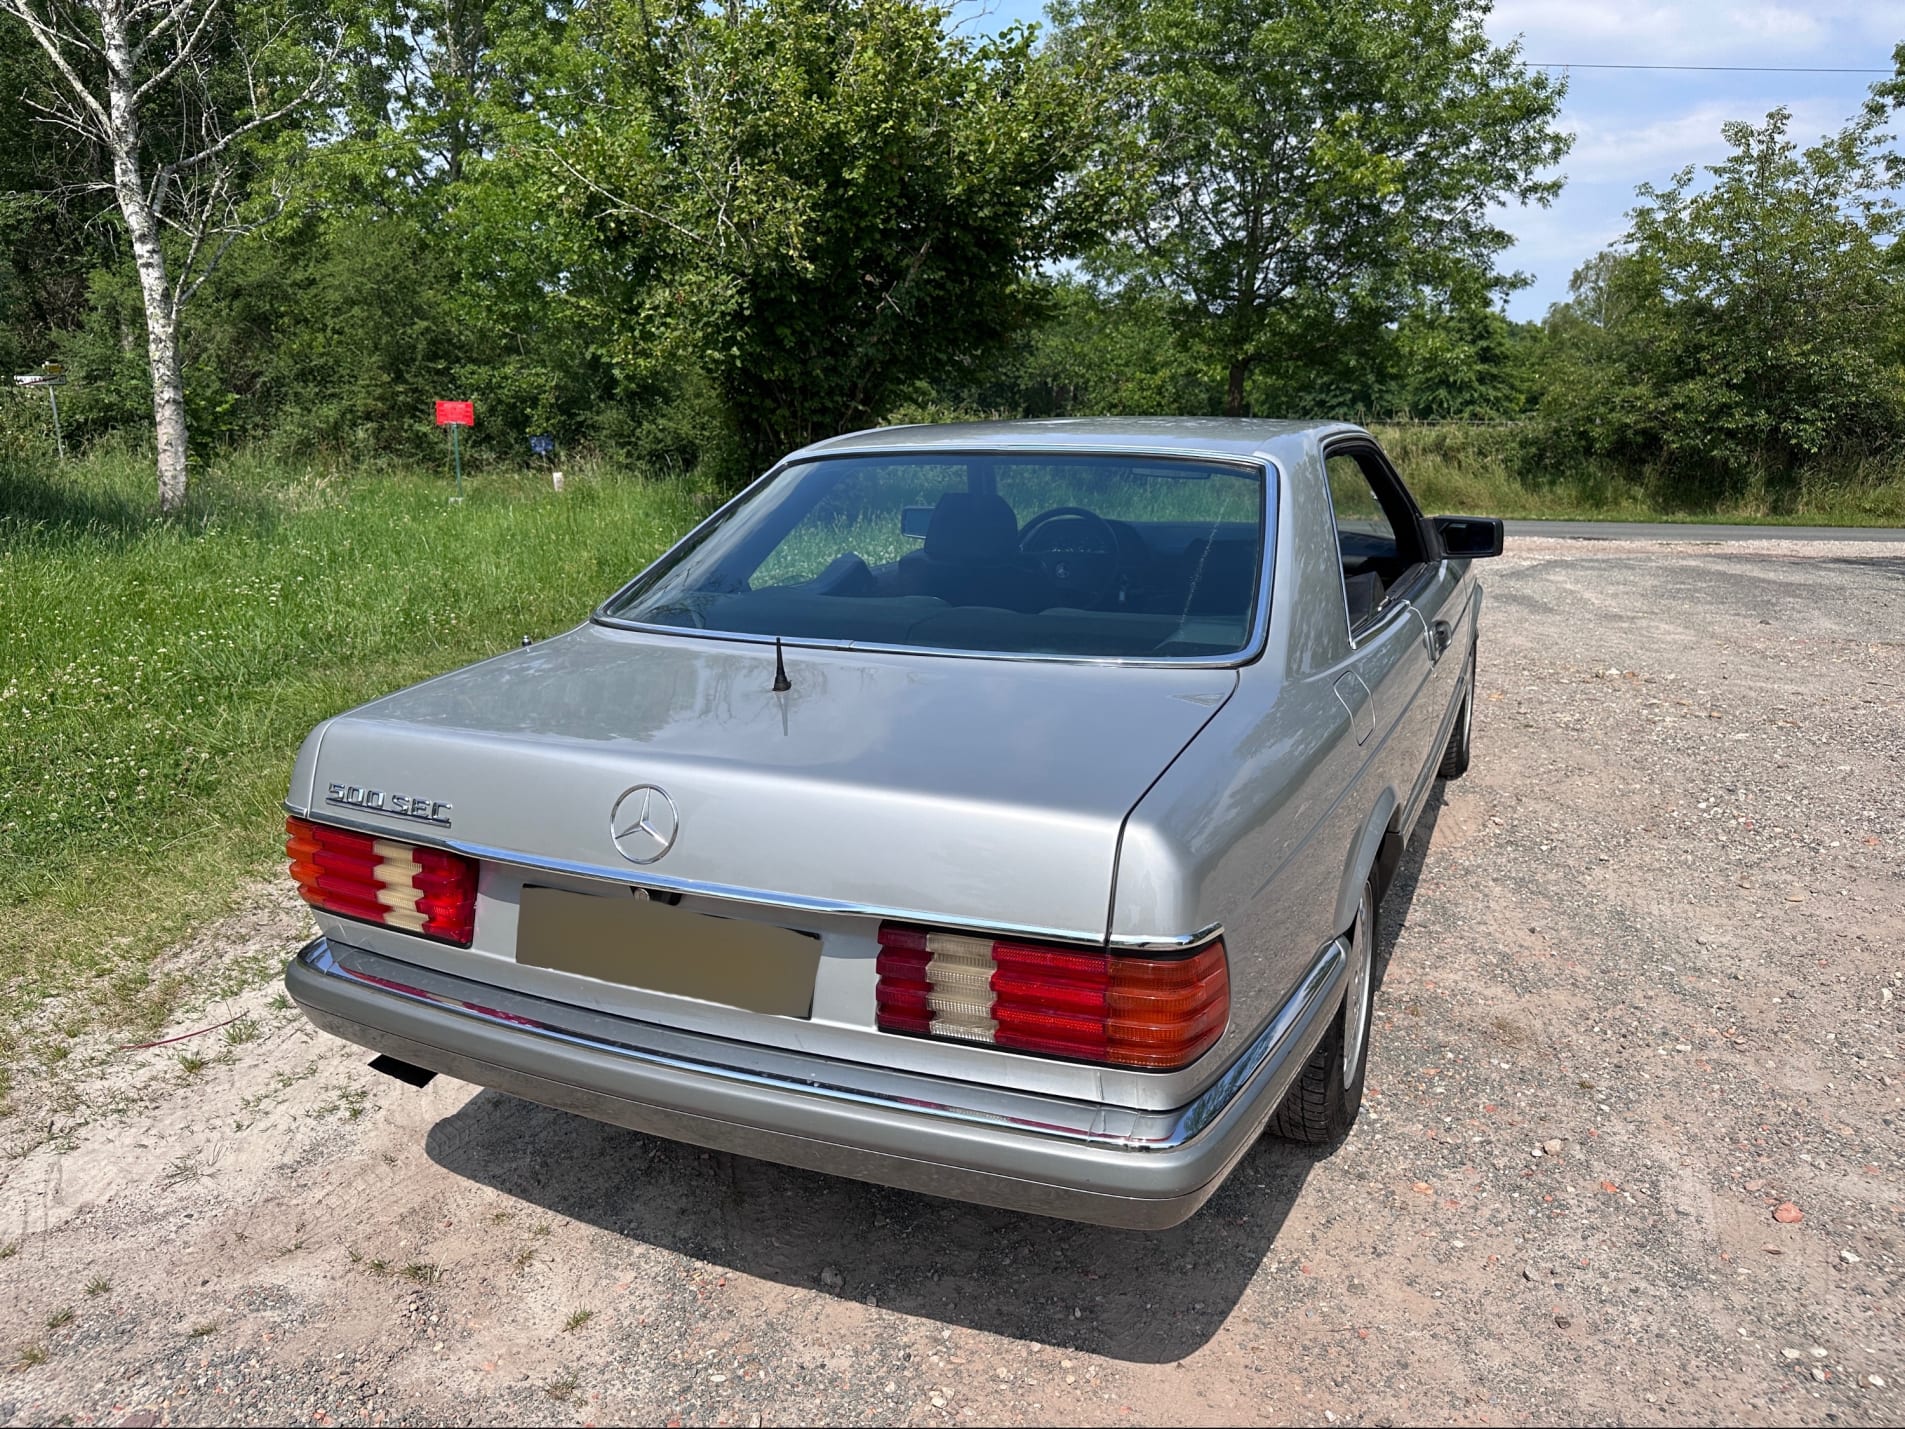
x=999, y=811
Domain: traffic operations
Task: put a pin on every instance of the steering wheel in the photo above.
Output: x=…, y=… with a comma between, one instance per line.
x=1088, y=574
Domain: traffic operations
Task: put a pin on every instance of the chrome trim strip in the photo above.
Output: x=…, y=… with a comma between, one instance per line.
x=1254, y=645
x=1175, y=1128
x=634, y=876
x=1141, y=942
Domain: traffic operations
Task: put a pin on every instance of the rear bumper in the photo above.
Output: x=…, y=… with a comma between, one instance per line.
x=1045, y=1155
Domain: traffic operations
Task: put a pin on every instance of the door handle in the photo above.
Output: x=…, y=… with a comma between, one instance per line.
x=1440, y=634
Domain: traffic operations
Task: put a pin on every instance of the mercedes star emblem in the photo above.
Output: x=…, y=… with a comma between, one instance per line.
x=644, y=823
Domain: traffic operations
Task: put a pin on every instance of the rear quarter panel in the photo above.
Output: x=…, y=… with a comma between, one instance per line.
x=1269, y=822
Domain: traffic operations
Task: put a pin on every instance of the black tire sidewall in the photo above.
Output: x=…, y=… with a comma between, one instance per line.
x=1455, y=758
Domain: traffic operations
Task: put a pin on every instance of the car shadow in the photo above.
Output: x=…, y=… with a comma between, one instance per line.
x=1400, y=896
x=42, y=504
x=1144, y=1297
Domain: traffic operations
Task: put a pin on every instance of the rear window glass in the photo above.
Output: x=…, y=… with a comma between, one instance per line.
x=1036, y=554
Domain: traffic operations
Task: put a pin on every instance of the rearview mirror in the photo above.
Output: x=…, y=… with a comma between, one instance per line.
x=914, y=520
x=1466, y=537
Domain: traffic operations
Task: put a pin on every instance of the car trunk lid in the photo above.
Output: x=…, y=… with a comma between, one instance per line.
x=966, y=791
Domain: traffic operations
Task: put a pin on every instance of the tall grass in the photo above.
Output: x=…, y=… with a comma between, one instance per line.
x=1495, y=470
x=156, y=676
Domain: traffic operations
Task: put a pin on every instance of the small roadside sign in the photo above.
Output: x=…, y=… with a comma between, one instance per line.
x=51, y=376
x=542, y=446
x=456, y=416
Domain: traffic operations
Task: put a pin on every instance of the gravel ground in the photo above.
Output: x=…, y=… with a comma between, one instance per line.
x=1632, y=1151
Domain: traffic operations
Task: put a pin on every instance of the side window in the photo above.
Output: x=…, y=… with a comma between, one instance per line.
x=1375, y=532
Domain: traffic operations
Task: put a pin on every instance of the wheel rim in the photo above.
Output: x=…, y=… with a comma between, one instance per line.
x=1356, y=996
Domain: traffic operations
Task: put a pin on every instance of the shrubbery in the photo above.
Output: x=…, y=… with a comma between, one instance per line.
x=684, y=238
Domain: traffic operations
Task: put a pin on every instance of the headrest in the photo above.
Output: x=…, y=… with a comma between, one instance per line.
x=971, y=526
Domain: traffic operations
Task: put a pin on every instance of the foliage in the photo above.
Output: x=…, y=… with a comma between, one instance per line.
x=45, y=225
x=689, y=237
x=1318, y=164
x=1129, y=351
x=1747, y=328
x=813, y=203
x=186, y=112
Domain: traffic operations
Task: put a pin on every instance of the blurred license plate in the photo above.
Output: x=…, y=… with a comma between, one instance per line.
x=639, y=943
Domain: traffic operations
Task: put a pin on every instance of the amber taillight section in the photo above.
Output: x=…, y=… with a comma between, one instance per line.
x=1120, y=1009
x=419, y=890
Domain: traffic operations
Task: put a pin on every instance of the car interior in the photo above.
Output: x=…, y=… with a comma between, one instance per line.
x=1086, y=576
x=1378, y=532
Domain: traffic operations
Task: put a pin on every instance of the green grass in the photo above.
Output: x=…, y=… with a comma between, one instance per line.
x=156, y=677
x=1476, y=470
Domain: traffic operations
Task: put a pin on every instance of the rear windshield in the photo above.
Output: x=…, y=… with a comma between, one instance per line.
x=1135, y=557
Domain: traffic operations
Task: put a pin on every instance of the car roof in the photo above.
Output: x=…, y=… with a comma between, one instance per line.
x=1163, y=436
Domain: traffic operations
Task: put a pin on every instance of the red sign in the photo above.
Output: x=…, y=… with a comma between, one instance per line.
x=456, y=414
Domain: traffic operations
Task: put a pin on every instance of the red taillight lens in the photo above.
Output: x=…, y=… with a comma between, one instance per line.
x=419, y=890
x=1120, y=1009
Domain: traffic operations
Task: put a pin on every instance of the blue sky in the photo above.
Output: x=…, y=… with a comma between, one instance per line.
x=1634, y=127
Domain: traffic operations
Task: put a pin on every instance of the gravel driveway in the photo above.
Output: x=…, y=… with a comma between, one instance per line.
x=1632, y=1152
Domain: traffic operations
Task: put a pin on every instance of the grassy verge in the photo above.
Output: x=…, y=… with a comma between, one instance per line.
x=157, y=677
x=1473, y=469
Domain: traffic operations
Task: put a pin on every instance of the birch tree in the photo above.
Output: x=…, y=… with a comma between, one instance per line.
x=174, y=95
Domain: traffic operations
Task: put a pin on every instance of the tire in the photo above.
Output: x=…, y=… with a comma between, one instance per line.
x=1455, y=758
x=1322, y=1102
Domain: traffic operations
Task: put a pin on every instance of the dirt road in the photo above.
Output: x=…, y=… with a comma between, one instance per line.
x=1643, y=990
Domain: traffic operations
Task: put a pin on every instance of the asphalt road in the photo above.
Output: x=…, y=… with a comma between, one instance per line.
x=1690, y=531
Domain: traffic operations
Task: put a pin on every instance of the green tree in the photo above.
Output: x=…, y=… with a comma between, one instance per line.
x=48, y=241
x=1094, y=352
x=1748, y=326
x=1317, y=162
x=815, y=203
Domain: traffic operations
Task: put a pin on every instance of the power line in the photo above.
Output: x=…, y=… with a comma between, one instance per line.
x=1323, y=57
x=1721, y=69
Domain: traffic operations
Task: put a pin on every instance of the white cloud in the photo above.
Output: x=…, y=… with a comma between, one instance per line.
x=1654, y=32
x=1613, y=147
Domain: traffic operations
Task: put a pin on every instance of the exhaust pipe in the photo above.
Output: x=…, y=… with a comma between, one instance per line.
x=404, y=1072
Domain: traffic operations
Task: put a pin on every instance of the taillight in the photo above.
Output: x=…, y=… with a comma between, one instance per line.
x=1121, y=1009
x=420, y=890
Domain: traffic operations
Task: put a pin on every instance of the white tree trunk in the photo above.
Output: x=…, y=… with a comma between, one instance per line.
x=142, y=228
x=168, y=381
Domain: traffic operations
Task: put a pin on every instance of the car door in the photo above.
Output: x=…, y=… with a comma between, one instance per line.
x=1395, y=590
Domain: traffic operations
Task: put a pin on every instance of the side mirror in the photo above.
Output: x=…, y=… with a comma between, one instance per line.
x=1466, y=537
x=914, y=520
